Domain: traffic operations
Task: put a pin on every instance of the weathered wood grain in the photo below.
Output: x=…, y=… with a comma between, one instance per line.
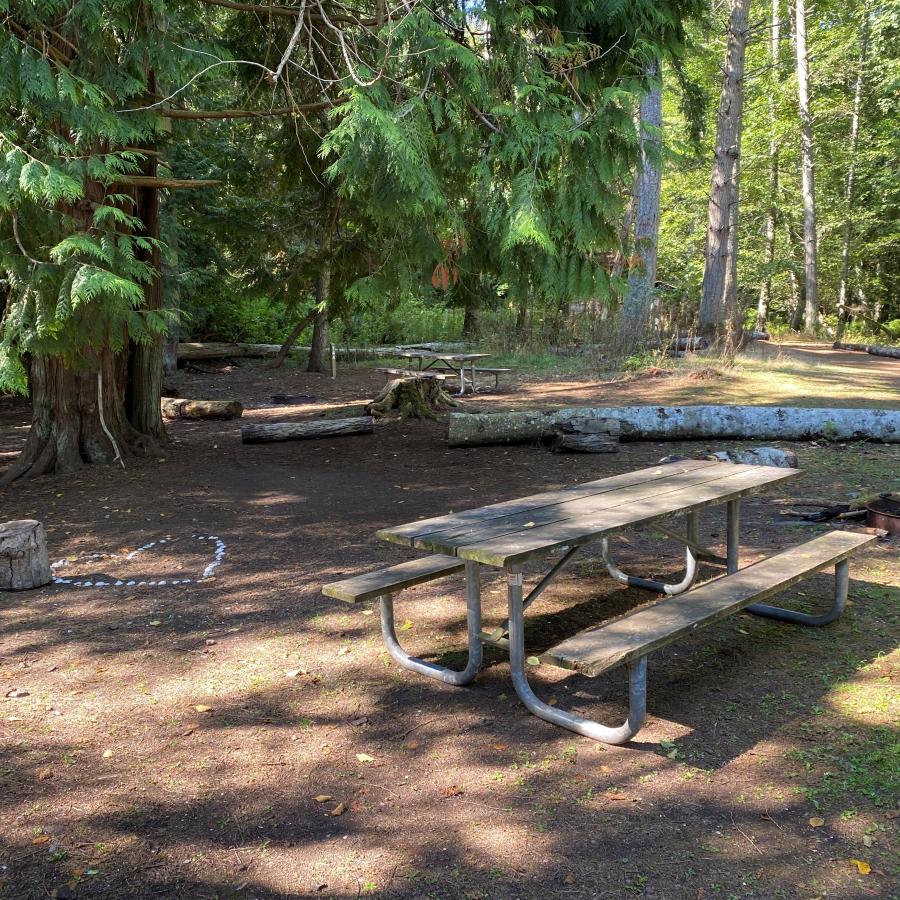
x=639, y=633
x=518, y=547
x=408, y=533
x=394, y=578
x=24, y=563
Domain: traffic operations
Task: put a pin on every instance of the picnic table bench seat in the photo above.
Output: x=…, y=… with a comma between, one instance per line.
x=384, y=583
x=636, y=634
x=479, y=370
x=629, y=639
x=393, y=579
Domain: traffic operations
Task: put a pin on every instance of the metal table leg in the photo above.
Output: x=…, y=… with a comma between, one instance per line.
x=637, y=682
x=658, y=586
x=841, y=584
x=733, y=535
x=432, y=670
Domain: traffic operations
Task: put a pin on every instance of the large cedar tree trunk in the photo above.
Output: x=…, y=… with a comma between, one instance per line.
x=810, y=248
x=718, y=299
x=642, y=281
x=66, y=426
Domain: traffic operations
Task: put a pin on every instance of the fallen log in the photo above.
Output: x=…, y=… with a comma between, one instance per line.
x=201, y=409
x=584, y=435
x=675, y=344
x=24, y=563
x=684, y=423
x=871, y=349
x=222, y=350
x=303, y=431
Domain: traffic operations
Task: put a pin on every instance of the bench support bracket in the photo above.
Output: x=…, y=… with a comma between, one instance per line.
x=660, y=587
x=841, y=584
x=637, y=682
x=432, y=670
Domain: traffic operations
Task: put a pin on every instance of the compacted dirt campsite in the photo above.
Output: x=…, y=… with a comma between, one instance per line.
x=219, y=729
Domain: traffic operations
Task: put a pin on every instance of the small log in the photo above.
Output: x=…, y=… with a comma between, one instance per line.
x=201, y=409
x=303, y=431
x=24, y=563
x=584, y=435
x=684, y=423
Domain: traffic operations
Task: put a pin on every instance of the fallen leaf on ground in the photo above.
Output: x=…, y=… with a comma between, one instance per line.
x=868, y=840
x=406, y=626
x=45, y=774
x=322, y=798
x=453, y=791
x=155, y=622
x=16, y=692
x=411, y=745
x=816, y=822
x=499, y=747
x=294, y=673
x=107, y=754
x=339, y=810
x=569, y=879
x=861, y=866
x=189, y=731
x=202, y=707
x=364, y=757
x=39, y=839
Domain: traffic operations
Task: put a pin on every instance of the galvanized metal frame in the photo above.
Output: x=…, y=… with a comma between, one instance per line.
x=659, y=587
x=637, y=681
x=433, y=670
x=841, y=586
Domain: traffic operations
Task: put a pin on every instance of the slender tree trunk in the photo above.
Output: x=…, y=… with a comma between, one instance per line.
x=851, y=177
x=641, y=283
x=718, y=297
x=318, y=355
x=810, y=248
x=145, y=364
x=297, y=330
x=765, y=292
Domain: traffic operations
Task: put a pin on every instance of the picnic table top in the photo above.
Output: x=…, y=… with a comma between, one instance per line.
x=436, y=354
x=515, y=531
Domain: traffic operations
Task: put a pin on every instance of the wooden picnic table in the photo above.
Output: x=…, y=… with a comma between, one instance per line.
x=514, y=533
x=448, y=359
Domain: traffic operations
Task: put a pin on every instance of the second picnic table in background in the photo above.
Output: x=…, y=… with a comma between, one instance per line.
x=448, y=359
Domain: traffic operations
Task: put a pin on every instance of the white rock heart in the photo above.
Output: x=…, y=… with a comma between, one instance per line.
x=218, y=556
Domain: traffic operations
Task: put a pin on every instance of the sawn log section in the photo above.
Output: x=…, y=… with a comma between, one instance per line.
x=510, y=533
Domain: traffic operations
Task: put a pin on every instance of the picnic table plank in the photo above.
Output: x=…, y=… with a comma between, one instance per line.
x=392, y=579
x=408, y=534
x=520, y=546
x=641, y=632
x=570, y=509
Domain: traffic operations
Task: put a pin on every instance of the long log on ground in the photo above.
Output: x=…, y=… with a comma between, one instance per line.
x=871, y=349
x=302, y=431
x=684, y=423
x=678, y=343
x=201, y=409
x=222, y=350
x=24, y=563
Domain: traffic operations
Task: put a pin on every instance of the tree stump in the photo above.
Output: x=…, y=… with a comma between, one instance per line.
x=585, y=435
x=418, y=397
x=24, y=563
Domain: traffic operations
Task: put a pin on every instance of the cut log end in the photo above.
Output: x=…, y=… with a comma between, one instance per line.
x=584, y=434
x=416, y=397
x=24, y=563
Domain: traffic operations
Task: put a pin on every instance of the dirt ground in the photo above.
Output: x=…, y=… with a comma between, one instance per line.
x=213, y=727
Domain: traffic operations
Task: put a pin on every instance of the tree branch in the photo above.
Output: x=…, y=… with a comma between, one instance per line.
x=248, y=113
x=148, y=181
